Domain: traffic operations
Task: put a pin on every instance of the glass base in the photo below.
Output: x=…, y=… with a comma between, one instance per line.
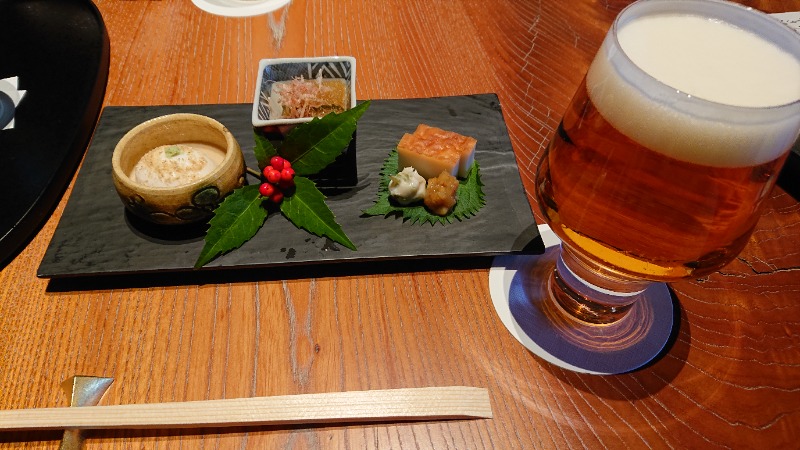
x=518, y=286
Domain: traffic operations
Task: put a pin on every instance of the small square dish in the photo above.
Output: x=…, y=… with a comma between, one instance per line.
x=290, y=91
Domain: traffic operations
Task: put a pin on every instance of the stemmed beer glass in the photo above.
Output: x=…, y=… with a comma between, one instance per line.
x=659, y=167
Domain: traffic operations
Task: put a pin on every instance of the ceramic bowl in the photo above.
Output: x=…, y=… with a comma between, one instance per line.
x=271, y=71
x=186, y=203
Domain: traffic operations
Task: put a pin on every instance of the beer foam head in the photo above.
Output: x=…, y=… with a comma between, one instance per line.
x=711, y=83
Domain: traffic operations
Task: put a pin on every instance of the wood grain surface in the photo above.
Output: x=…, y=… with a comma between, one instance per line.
x=731, y=379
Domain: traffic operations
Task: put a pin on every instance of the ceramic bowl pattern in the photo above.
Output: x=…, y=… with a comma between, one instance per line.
x=184, y=204
x=271, y=71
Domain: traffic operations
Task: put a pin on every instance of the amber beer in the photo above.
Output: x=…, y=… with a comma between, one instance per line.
x=653, y=174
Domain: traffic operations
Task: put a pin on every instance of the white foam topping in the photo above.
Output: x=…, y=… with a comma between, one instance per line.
x=707, y=59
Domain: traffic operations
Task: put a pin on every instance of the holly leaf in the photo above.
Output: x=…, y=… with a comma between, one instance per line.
x=237, y=219
x=470, y=198
x=306, y=209
x=312, y=146
x=264, y=150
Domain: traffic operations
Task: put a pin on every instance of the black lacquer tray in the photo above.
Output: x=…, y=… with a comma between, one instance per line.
x=57, y=52
x=96, y=235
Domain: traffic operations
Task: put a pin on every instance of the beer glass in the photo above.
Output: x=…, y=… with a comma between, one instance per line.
x=662, y=160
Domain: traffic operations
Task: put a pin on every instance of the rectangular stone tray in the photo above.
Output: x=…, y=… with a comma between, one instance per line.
x=97, y=237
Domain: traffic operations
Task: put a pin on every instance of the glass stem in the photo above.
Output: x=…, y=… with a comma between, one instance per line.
x=590, y=294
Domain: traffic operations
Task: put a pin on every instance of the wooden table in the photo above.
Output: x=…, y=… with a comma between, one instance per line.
x=732, y=378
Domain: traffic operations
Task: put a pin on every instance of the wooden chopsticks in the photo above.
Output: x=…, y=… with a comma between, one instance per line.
x=391, y=405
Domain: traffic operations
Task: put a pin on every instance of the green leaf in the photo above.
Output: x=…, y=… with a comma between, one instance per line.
x=390, y=167
x=306, y=209
x=312, y=146
x=470, y=194
x=382, y=206
x=264, y=150
x=470, y=198
x=237, y=219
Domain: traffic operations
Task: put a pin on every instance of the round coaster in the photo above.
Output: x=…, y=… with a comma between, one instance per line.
x=517, y=285
x=240, y=8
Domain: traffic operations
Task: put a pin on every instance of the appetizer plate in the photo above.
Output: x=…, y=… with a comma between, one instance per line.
x=96, y=237
x=240, y=8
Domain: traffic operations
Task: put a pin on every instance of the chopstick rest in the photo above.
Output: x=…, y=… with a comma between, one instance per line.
x=82, y=391
x=390, y=405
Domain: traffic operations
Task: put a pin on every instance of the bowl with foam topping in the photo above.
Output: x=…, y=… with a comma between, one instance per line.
x=175, y=169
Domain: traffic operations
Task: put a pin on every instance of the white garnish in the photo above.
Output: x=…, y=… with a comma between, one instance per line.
x=407, y=186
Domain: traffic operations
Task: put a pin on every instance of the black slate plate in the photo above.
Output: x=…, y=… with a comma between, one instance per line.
x=59, y=51
x=96, y=236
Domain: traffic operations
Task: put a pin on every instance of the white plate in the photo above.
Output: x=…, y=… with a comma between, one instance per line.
x=240, y=8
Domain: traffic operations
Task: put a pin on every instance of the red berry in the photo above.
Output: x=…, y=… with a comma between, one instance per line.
x=276, y=197
x=287, y=164
x=273, y=176
x=277, y=162
x=266, y=189
x=287, y=174
x=267, y=170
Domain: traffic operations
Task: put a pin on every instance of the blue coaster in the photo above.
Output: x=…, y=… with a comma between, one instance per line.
x=518, y=289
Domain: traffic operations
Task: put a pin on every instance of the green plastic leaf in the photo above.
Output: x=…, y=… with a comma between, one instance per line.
x=264, y=150
x=237, y=219
x=306, y=209
x=312, y=146
x=470, y=198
